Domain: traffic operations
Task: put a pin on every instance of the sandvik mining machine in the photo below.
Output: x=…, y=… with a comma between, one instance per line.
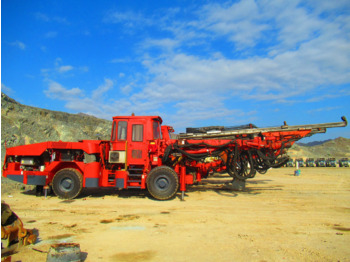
x=143, y=154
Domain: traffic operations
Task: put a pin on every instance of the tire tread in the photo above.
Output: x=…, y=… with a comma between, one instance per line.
x=80, y=178
x=168, y=170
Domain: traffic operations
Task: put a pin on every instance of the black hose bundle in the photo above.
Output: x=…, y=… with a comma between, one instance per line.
x=201, y=156
x=175, y=148
x=240, y=164
x=243, y=164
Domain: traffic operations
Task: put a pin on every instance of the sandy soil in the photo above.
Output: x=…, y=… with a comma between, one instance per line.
x=279, y=217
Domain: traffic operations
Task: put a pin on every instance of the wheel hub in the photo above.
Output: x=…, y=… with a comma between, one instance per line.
x=66, y=184
x=162, y=183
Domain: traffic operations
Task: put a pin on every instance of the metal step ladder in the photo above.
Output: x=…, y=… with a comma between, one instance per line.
x=134, y=177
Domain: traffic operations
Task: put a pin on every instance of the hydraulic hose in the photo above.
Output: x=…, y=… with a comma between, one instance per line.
x=240, y=164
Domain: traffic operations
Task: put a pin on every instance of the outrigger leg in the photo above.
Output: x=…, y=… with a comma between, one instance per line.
x=183, y=182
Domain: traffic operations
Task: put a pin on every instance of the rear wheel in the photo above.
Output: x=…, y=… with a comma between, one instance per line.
x=162, y=182
x=67, y=183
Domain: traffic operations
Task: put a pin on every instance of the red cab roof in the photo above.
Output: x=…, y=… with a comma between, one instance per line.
x=158, y=118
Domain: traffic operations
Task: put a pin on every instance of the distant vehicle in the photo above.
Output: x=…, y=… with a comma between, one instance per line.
x=310, y=162
x=321, y=162
x=344, y=162
x=290, y=163
x=331, y=162
x=300, y=162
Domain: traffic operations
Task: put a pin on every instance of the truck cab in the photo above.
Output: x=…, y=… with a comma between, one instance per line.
x=290, y=163
x=300, y=162
x=344, y=162
x=310, y=162
x=321, y=162
x=133, y=138
x=331, y=162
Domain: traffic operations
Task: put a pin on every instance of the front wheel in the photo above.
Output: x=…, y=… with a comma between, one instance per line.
x=67, y=183
x=162, y=182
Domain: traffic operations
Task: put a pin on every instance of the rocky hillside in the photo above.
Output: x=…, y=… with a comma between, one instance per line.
x=21, y=124
x=338, y=148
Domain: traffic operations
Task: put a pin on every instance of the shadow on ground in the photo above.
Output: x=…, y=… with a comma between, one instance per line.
x=214, y=183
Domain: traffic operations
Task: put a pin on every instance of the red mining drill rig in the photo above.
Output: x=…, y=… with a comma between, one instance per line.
x=142, y=154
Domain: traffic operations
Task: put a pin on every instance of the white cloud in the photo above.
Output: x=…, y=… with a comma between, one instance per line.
x=323, y=109
x=58, y=61
x=127, y=89
x=280, y=50
x=241, y=22
x=102, y=89
x=66, y=68
x=330, y=7
x=307, y=51
x=7, y=90
x=46, y=18
x=340, y=93
x=42, y=17
x=165, y=43
x=51, y=34
x=57, y=91
x=60, y=20
x=128, y=19
x=121, y=60
x=60, y=69
x=283, y=76
x=18, y=44
x=84, y=69
x=94, y=103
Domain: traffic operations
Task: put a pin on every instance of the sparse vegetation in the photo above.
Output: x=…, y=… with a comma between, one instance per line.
x=23, y=124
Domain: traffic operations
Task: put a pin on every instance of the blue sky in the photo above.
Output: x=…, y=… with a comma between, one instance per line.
x=194, y=63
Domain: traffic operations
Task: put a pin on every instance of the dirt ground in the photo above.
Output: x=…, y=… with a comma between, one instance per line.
x=278, y=217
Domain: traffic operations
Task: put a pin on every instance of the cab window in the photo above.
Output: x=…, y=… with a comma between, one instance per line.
x=122, y=130
x=114, y=134
x=137, y=133
x=156, y=130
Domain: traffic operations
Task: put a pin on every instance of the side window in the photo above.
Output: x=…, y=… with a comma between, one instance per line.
x=122, y=128
x=114, y=131
x=156, y=130
x=137, y=133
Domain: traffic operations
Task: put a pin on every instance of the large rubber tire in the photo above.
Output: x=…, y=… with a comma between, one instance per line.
x=67, y=183
x=162, y=182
